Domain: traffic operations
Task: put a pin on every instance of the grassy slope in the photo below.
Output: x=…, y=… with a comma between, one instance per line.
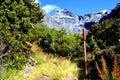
x=46, y=67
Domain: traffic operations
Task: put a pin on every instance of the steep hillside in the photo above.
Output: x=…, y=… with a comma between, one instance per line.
x=43, y=66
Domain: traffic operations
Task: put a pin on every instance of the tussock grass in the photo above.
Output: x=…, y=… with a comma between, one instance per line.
x=46, y=67
x=52, y=69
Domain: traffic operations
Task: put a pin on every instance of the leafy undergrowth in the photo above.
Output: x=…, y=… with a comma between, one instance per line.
x=46, y=67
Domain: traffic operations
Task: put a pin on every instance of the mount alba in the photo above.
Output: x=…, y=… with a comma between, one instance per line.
x=74, y=23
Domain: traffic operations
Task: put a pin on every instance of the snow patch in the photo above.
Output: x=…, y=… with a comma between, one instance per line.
x=104, y=11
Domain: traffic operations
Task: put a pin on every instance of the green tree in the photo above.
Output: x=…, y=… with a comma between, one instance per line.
x=106, y=33
x=17, y=17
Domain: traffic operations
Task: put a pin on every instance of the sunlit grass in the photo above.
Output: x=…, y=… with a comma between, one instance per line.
x=46, y=67
x=53, y=69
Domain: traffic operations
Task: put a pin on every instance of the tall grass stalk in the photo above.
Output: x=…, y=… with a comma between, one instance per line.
x=116, y=70
x=103, y=72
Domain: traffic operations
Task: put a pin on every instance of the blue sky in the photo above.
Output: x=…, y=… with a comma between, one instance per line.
x=79, y=7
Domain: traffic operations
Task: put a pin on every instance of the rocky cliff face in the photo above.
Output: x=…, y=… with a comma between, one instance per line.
x=71, y=21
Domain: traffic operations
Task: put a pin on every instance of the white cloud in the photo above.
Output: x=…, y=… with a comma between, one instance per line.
x=49, y=8
x=36, y=1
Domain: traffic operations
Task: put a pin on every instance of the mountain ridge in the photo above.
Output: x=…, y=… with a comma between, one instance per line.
x=71, y=21
x=74, y=23
x=115, y=13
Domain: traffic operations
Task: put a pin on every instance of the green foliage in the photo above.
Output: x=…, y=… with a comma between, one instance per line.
x=92, y=44
x=57, y=42
x=17, y=17
x=52, y=69
x=103, y=39
x=105, y=34
x=18, y=25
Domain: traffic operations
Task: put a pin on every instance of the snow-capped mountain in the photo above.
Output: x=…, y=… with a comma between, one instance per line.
x=115, y=13
x=71, y=21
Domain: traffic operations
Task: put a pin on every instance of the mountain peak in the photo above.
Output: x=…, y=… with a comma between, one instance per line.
x=65, y=12
x=74, y=23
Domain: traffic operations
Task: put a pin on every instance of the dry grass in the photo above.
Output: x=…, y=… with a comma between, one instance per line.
x=103, y=73
x=116, y=70
x=46, y=67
